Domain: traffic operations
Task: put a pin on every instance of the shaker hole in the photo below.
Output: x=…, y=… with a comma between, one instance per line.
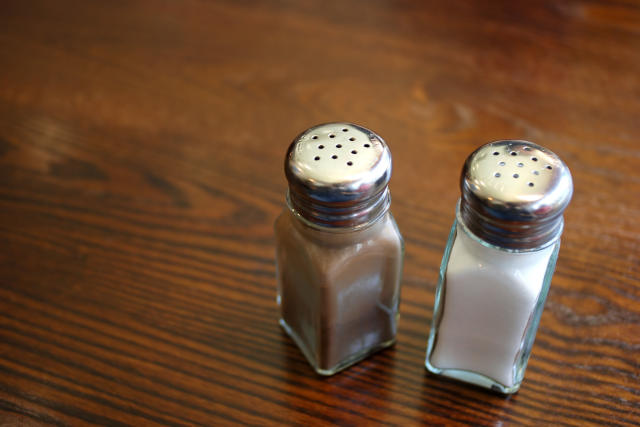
x=352, y=139
x=316, y=158
x=332, y=136
x=536, y=173
x=345, y=130
x=320, y=147
x=334, y=157
x=502, y=163
x=338, y=145
x=495, y=153
x=549, y=167
x=314, y=137
x=535, y=159
x=513, y=153
x=367, y=145
x=349, y=163
x=497, y=175
x=527, y=148
x=354, y=152
x=520, y=165
x=515, y=175
x=531, y=184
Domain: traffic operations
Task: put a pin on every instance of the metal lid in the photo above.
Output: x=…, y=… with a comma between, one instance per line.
x=338, y=175
x=514, y=194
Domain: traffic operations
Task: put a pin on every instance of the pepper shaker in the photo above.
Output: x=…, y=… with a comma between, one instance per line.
x=498, y=263
x=338, y=249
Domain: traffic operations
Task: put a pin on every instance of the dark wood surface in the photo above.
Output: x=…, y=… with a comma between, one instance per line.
x=141, y=149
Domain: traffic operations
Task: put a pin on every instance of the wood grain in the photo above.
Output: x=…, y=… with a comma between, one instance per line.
x=141, y=148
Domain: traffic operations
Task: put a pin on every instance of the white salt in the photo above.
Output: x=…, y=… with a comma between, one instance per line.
x=490, y=297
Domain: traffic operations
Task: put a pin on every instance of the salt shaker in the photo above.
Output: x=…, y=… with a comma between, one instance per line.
x=338, y=249
x=498, y=263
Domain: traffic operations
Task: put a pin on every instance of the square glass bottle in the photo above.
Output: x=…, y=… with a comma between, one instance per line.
x=338, y=249
x=498, y=263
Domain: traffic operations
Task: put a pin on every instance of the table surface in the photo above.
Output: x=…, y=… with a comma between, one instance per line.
x=141, y=151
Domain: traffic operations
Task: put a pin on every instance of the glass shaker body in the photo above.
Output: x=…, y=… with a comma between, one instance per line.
x=338, y=292
x=338, y=249
x=488, y=305
x=498, y=263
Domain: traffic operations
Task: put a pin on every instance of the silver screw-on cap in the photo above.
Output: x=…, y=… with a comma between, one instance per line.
x=514, y=194
x=338, y=175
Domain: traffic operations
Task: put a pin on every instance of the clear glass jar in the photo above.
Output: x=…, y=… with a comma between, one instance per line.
x=497, y=265
x=338, y=291
x=488, y=305
x=338, y=249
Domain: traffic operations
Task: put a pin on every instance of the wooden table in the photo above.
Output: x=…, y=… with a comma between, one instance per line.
x=141, y=151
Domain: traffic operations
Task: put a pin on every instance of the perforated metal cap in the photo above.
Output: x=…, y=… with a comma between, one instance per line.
x=338, y=175
x=514, y=194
